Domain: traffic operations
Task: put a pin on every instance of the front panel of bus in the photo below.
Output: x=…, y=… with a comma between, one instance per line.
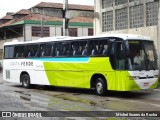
x=142, y=63
x=135, y=65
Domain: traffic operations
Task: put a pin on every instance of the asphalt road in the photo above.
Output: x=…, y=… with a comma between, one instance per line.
x=13, y=97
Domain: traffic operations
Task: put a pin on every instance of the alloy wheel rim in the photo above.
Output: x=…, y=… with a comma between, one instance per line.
x=99, y=87
x=25, y=81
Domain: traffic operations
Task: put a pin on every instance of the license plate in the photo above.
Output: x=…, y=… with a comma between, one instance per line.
x=146, y=84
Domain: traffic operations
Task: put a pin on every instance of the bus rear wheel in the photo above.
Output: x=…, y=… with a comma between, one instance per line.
x=100, y=87
x=25, y=81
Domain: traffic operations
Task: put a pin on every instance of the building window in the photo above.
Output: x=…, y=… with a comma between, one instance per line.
x=36, y=31
x=107, y=21
x=119, y=2
x=11, y=32
x=136, y=16
x=133, y=0
x=121, y=19
x=90, y=31
x=107, y=3
x=152, y=13
x=72, y=32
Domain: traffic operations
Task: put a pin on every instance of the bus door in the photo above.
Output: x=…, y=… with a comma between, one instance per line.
x=117, y=59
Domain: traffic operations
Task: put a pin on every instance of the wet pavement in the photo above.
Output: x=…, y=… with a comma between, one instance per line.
x=13, y=97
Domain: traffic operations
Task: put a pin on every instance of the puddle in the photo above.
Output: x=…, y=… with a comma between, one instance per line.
x=93, y=103
x=19, y=92
x=77, y=94
x=24, y=96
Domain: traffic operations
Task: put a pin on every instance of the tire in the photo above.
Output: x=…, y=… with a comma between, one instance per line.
x=26, y=81
x=100, y=87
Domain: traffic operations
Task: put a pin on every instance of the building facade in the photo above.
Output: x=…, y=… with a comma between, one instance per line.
x=44, y=20
x=127, y=16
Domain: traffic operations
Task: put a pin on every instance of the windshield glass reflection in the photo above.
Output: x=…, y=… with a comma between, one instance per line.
x=142, y=55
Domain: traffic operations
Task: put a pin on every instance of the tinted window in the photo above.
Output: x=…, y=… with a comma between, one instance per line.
x=79, y=48
x=45, y=50
x=58, y=49
x=19, y=51
x=32, y=50
x=52, y=53
x=83, y=48
x=65, y=49
x=103, y=47
x=62, y=49
x=8, y=52
x=93, y=47
x=98, y=47
x=75, y=51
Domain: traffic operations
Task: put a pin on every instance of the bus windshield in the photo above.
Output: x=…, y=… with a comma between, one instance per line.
x=141, y=55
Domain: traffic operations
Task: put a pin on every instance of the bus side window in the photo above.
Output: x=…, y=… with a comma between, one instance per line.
x=37, y=54
x=45, y=50
x=9, y=52
x=84, y=46
x=65, y=49
x=52, y=53
x=103, y=47
x=31, y=50
x=42, y=51
x=75, y=50
x=48, y=49
x=58, y=49
x=93, y=47
x=19, y=51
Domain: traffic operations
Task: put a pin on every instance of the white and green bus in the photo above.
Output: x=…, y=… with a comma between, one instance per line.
x=119, y=62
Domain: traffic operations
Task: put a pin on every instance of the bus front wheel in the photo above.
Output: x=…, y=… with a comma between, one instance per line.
x=25, y=81
x=100, y=87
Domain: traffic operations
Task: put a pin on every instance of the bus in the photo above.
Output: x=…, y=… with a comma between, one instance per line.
x=106, y=62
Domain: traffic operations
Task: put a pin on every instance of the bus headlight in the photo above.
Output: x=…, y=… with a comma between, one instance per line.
x=133, y=77
x=156, y=76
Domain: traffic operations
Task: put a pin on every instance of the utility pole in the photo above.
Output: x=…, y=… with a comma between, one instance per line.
x=65, y=20
x=158, y=35
x=42, y=23
x=24, y=32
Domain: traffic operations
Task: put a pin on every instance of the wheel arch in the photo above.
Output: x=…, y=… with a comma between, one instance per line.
x=94, y=78
x=22, y=73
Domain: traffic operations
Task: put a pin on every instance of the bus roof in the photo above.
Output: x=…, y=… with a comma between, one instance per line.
x=66, y=38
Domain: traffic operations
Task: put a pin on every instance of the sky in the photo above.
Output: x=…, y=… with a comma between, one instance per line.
x=16, y=5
